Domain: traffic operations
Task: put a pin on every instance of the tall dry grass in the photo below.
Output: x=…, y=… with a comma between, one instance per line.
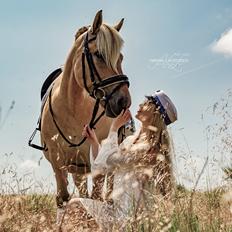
x=38, y=213
x=188, y=211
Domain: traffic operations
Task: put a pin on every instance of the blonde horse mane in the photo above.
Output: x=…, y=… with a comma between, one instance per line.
x=109, y=45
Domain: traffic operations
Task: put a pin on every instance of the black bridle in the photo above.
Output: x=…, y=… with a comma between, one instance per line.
x=97, y=90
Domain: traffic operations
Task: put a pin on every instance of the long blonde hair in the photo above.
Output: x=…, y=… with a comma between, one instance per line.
x=158, y=136
x=159, y=153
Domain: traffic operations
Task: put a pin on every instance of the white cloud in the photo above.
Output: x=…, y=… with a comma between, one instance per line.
x=29, y=164
x=224, y=44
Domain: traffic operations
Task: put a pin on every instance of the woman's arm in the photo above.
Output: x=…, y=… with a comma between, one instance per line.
x=111, y=156
x=110, y=145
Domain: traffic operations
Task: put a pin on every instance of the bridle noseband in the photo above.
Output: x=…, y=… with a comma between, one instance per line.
x=97, y=90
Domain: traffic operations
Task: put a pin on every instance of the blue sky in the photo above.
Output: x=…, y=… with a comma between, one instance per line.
x=168, y=45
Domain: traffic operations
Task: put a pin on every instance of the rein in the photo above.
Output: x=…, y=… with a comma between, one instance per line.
x=92, y=122
x=97, y=92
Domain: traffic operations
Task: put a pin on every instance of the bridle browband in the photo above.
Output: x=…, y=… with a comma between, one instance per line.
x=97, y=91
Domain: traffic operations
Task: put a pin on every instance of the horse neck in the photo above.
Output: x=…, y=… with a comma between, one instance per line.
x=73, y=96
x=70, y=92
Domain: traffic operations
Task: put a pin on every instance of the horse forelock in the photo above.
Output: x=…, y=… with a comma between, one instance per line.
x=109, y=44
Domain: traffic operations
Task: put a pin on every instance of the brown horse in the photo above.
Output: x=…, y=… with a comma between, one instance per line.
x=91, y=82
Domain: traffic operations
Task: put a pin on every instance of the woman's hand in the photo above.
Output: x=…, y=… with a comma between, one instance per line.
x=90, y=135
x=121, y=120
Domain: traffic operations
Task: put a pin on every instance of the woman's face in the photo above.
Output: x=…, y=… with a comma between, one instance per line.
x=144, y=113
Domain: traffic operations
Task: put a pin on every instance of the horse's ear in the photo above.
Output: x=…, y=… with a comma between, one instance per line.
x=81, y=31
x=119, y=25
x=97, y=22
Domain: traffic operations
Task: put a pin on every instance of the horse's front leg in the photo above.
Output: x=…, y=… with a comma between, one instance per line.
x=61, y=184
x=62, y=196
x=81, y=182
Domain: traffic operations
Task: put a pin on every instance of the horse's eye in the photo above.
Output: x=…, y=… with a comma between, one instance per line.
x=98, y=55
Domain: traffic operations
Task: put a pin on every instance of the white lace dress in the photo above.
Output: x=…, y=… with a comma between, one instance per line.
x=127, y=192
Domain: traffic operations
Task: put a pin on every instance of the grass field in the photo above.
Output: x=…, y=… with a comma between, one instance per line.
x=189, y=211
x=198, y=211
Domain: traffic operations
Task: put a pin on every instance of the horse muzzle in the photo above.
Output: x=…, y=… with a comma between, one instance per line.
x=117, y=104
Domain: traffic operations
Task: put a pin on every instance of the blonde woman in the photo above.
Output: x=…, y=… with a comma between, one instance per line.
x=141, y=161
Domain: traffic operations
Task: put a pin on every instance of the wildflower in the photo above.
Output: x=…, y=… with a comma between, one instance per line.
x=160, y=157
